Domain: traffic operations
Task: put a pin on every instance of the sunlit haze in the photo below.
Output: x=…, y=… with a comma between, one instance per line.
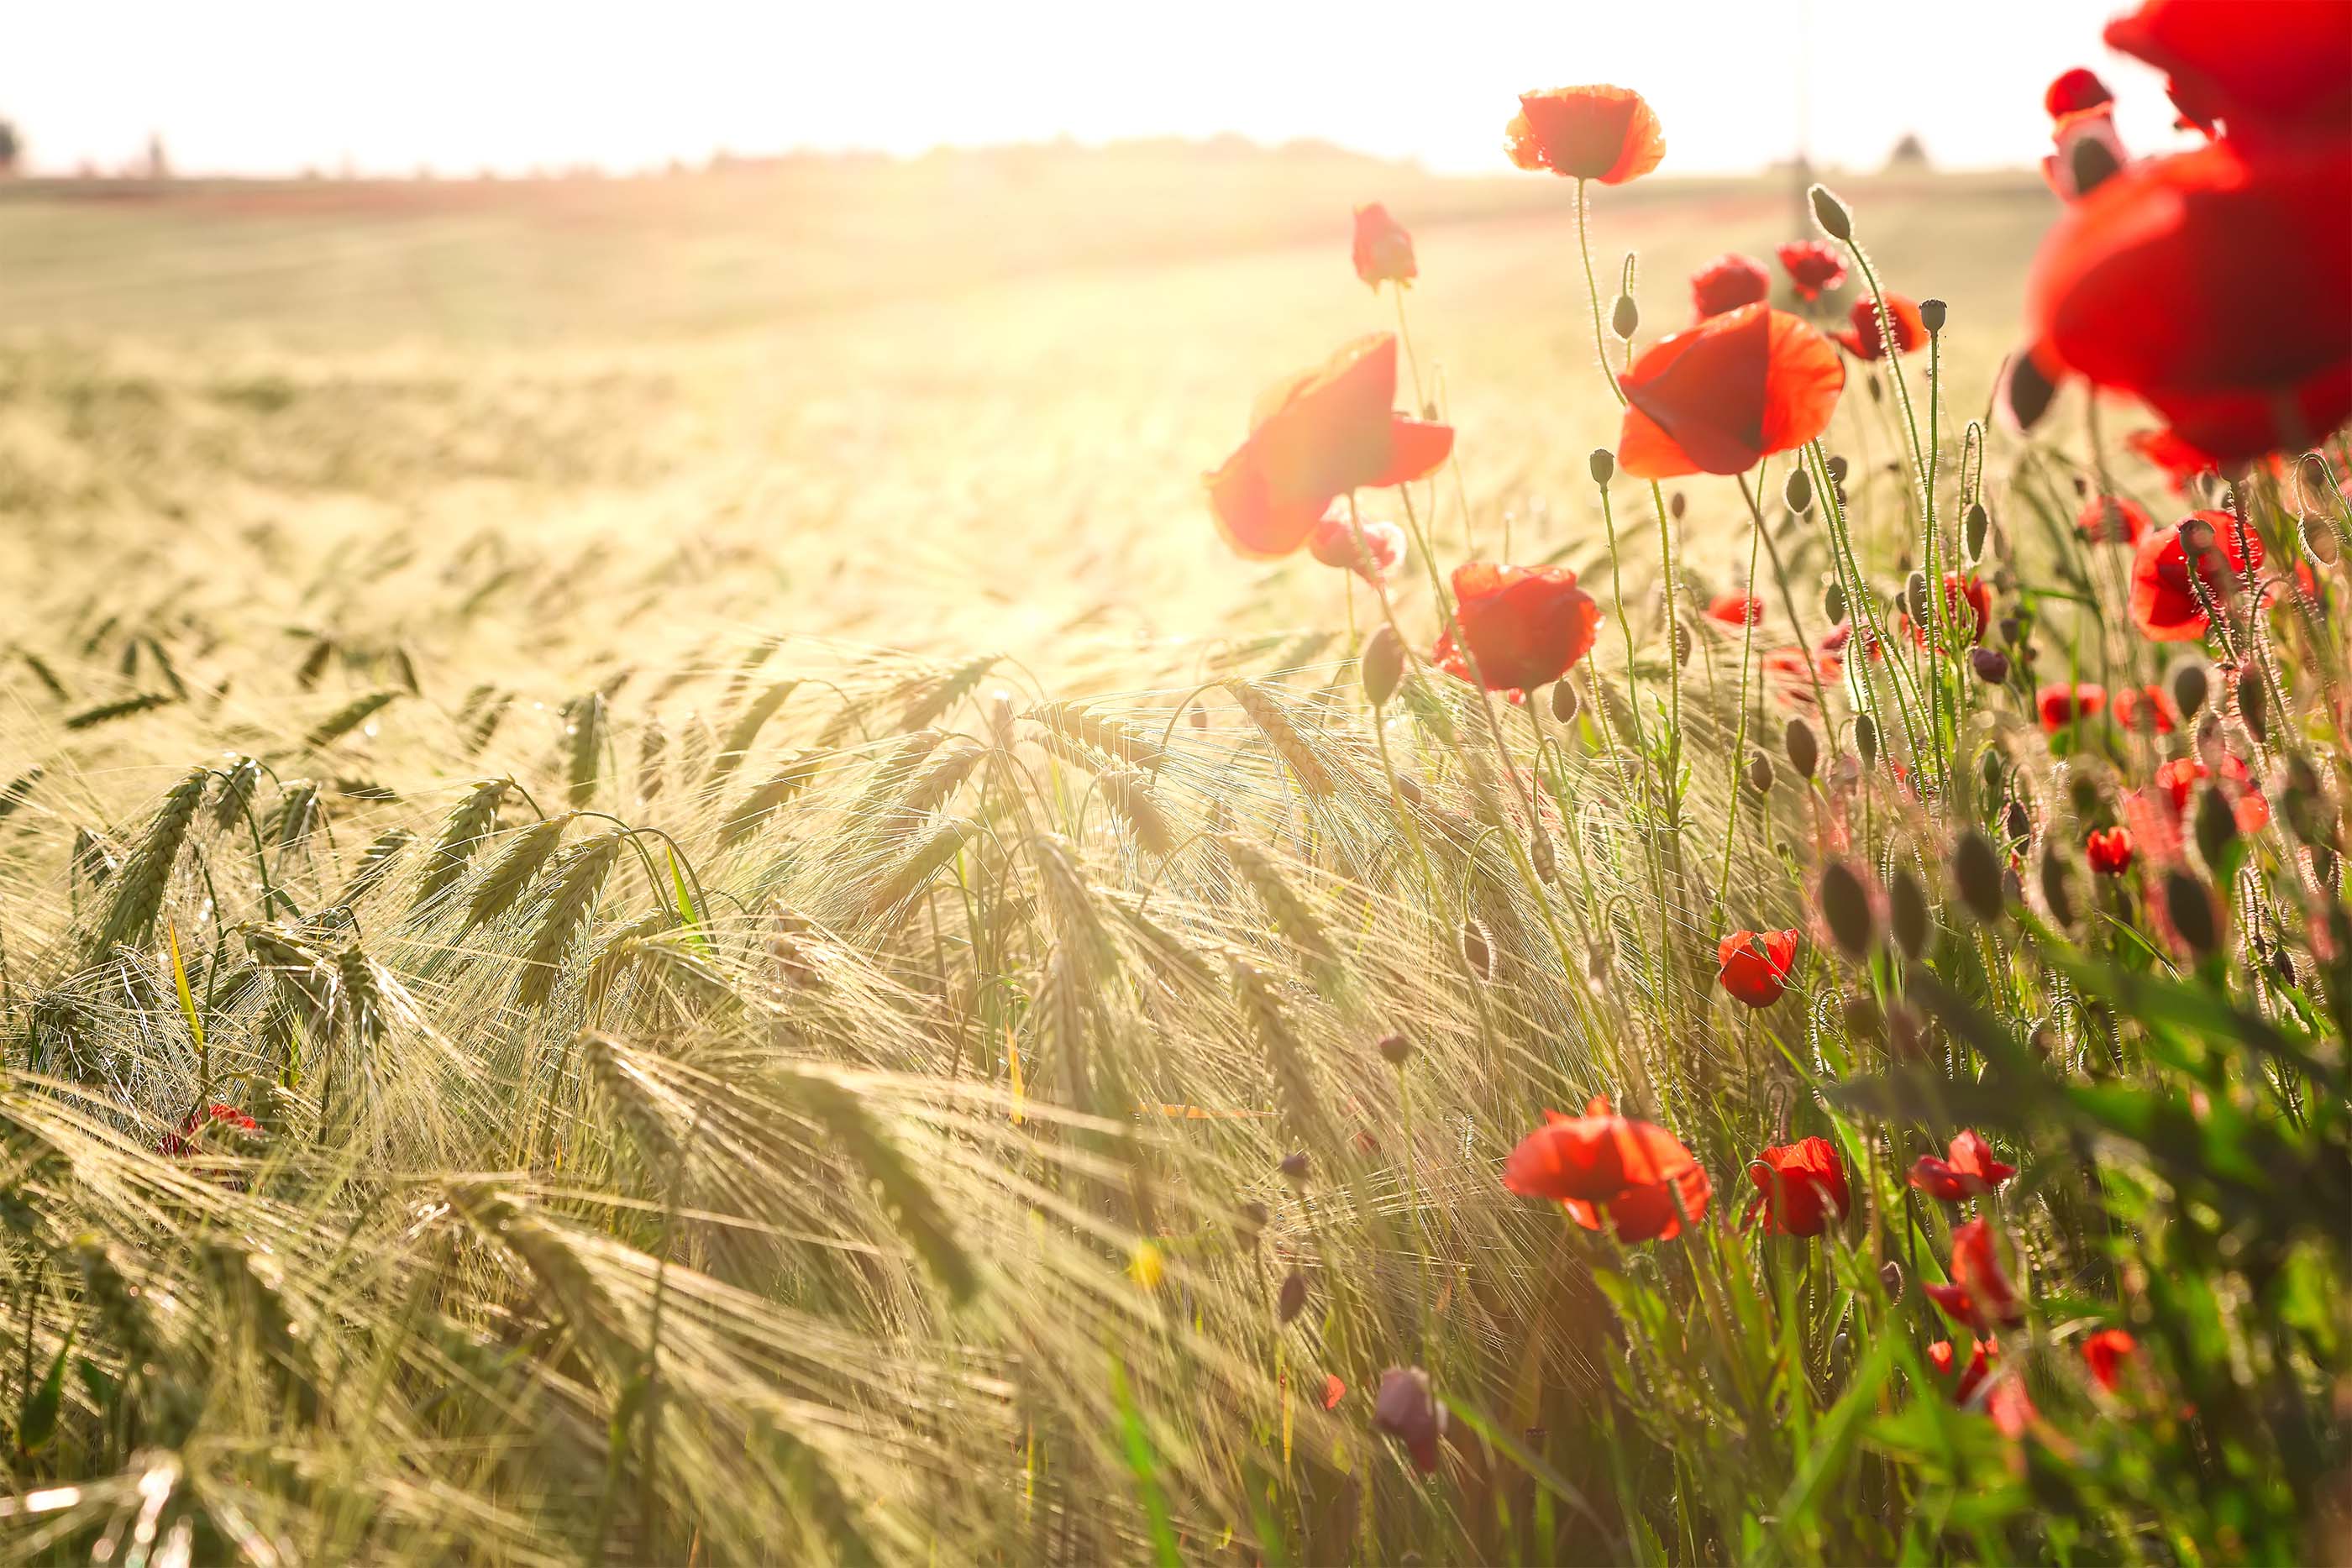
x=274, y=87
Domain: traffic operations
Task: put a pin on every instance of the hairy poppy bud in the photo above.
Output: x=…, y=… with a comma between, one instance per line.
x=1845, y=904
x=2093, y=163
x=1906, y=1036
x=2253, y=701
x=2191, y=906
x=1915, y=597
x=1676, y=505
x=1833, y=602
x=1831, y=214
x=1865, y=739
x=1759, y=773
x=1991, y=665
x=1932, y=313
x=1626, y=318
x=1249, y=1220
x=1475, y=952
x=2057, y=885
x=1991, y=768
x=1682, y=643
x=1294, y=1166
x=1291, y=1300
x=2018, y=823
x=2217, y=826
x=1382, y=665
x=1395, y=1050
x=2318, y=539
x=1907, y=913
x=1838, y=469
x=1976, y=871
x=1798, y=491
x=1804, y=751
x=1564, y=701
x=2025, y=393
x=1604, y=465
x=1976, y=530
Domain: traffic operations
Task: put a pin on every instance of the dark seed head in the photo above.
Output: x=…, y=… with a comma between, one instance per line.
x=2190, y=904
x=1564, y=701
x=1604, y=465
x=1991, y=665
x=1759, y=773
x=1845, y=904
x=1395, y=1048
x=1833, y=602
x=1977, y=873
x=2253, y=701
x=2057, y=885
x=1976, y=530
x=1932, y=313
x=2017, y=821
x=1294, y=1166
x=1804, y=749
x=1907, y=913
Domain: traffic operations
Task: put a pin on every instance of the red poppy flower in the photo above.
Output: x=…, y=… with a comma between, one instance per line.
x=223, y=1119
x=2164, y=604
x=1383, y=249
x=2070, y=92
x=2264, y=70
x=2145, y=705
x=1372, y=550
x=1940, y=1355
x=2109, y=850
x=1604, y=133
x=1405, y=1408
x=1726, y=283
x=1314, y=438
x=1862, y=341
x=1754, y=966
x=1720, y=397
x=1980, y=1294
x=1814, y=267
x=1967, y=1170
x=2105, y=1353
x=1635, y=1174
x=2010, y=1405
x=1800, y=1188
x=1334, y=1390
x=2216, y=286
x=1736, y=609
x=2060, y=704
x=1526, y=625
x=1968, y=606
x=2112, y=520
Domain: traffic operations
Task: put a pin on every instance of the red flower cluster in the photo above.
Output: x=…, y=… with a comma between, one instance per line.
x=1383, y=249
x=1967, y=1170
x=1800, y=1188
x=2060, y=704
x=1315, y=437
x=1636, y=1175
x=1979, y=1295
x=1722, y=397
x=1604, y=133
x=1814, y=268
x=1526, y=625
x=1726, y=283
x=1754, y=966
x=2105, y=1353
x=1942, y=1357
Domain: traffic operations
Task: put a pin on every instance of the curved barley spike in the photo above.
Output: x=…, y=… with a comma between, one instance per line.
x=905, y=1195
x=1293, y=917
x=916, y=868
x=470, y=822
x=1128, y=793
x=236, y=793
x=935, y=785
x=754, y=809
x=745, y=731
x=1107, y=736
x=107, y=713
x=297, y=815
x=147, y=874
x=941, y=693
x=20, y=790
x=635, y=1100
x=1286, y=1054
x=584, y=719
x=504, y=881
x=1273, y=722
x=573, y=883
x=347, y=718
x=376, y=862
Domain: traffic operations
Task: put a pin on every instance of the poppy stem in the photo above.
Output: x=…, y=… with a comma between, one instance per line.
x=1746, y=655
x=1592, y=290
x=1404, y=334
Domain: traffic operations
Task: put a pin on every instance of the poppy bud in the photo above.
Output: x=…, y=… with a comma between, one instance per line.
x=1682, y=643
x=2217, y=826
x=2190, y=904
x=1831, y=214
x=1915, y=597
x=1931, y=314
x=1291, y=1300
x=1476, y=953
x=1865, y=739
x=2318, y=539
x=1676, y=505
x=1382, y=665
x=1759, y=773
x=1975, y=870
x=1845, y=904
x=1976, y=530
x=2253, y=702
x=1604, y=465
x=2017, y=822
x=1294, y=1167
x=2012, y=631
x=1626, y=318
x=1890, y=1276
x=1863, y=1023
x=1989, y=768
x=1838, y=468
x=1249, y=1220
x=1804, y=751
x=1991, y=665
x=1833, y=602
x=1906, y=1037
x=1395, y=1050
x=1564, y=702
x=2091, y=163
x=2057, y=890
x=2025, y=394
x=1797, y=492
x=1406, y=1410
x=1907, y=913
x=2196, y=536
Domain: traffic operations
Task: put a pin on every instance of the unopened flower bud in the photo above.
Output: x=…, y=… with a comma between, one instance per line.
x=1838, y=468
x=1676, y=504
x=1977, y=873
x=2253, y=701
x=1890, y=1276
x=1405, y=1408
x=2057, y=885
x=1931, y=313
x=2217, y=826
x=2190, y=903
x=1291, y=1300
x=1804, y=750
x=1976, y=530
x=2025, y=393
x=1845, y=905
x=1682, y=643
x=1798, y=491
x=1626, y=319
x=1831, y=214
x=1382, y=665
x=1759, y=773
x=1604, y=465
x=1833, y=602
x=1906, y=909
x=1865, y=739
x=1395, y=1050
x=1915, y=597
x=1991, y=665
x=1564, y=701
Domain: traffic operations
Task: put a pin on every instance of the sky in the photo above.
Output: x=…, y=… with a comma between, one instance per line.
x=266, y=86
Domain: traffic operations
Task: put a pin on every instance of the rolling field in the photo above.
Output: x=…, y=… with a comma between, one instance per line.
x=663, y=899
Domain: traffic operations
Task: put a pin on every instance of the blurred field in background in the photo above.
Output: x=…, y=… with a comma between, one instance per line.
x=957, y=402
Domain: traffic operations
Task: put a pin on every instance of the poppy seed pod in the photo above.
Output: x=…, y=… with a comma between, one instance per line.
x=1604, y=465
x=2189, y=904
x=1797, y=491
x=1564, y=702
x=1759, y=773
x=1977, y=873
x=1976, y=530
x=1291, y=1300
x=2057, y=885
x=1865, y=739
x=1991, y=665
x=1831, y=214
x=1932, y=313
x=2217, y=826
x=1833, y=602
x=1395, y=1048
x=1804, y=750
x=1845, y=905
x=1382, y=665
x=1626, y=318
x=1907, y=913
x=2253, y=702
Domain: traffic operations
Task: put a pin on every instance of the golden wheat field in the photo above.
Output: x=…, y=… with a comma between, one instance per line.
x=663, y=899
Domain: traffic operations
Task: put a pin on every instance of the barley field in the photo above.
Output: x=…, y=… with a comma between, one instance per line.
x=664, y=899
